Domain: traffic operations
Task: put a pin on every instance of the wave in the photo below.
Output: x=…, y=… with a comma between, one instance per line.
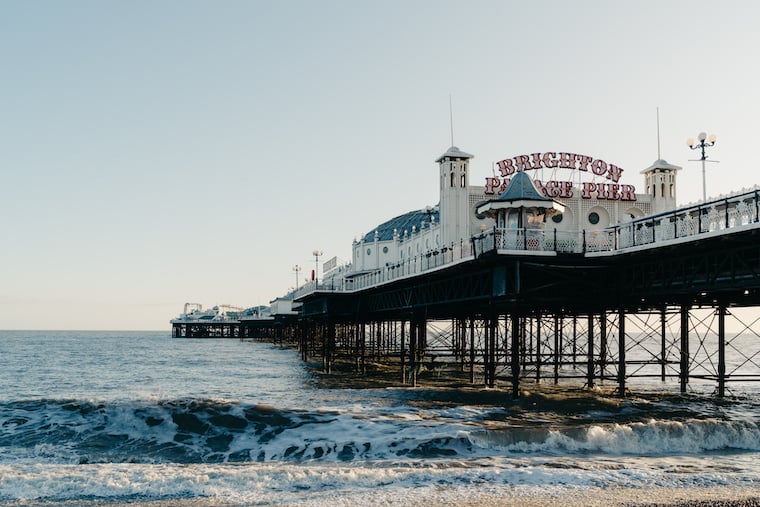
x=650, y=438
x=221, y=431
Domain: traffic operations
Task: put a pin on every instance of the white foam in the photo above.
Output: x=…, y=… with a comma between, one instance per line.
x=324, y=483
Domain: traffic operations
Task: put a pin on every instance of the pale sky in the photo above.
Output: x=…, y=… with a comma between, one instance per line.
x=158, y=152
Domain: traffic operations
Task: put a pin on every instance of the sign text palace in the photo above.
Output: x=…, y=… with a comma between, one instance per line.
x=561, y=160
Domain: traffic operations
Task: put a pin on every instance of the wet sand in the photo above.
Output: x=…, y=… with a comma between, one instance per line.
x=571, y=497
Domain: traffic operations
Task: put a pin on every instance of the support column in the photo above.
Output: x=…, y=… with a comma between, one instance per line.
x=538, y=348
x=663, y=348
x=303, y=337
x=529, y=351
x=684, y=347
x=486, y=349
x=575, y=340
x=722, y=350
x=515, y=356
x=403, y=352
x=621, y=353
x=556, y=349
x=328, y=340
x=603, y=344
x=492, y=325
x=363, y=349
x=472, y=349
x=413, y=330
x=590, y=359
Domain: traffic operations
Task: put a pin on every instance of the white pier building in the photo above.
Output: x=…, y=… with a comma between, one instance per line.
x=594, y=197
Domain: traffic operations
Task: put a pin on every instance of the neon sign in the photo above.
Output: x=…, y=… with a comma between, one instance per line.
x=564, y=160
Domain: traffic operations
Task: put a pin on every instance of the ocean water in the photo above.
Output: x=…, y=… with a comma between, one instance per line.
x=90, y=418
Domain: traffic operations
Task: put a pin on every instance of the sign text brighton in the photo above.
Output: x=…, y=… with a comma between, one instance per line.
x=564, y=160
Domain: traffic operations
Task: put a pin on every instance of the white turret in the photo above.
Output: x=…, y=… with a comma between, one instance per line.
x=454, y=206
x=660, y=183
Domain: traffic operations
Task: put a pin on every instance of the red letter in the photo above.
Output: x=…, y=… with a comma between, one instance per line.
x=613, y=191
x=599, y=167
x=566, y=190
x=491, y=184
x=550, y=159
x=583, y=162
x=505, y=167
x=536, y=161
x=522, y=162
x=567, y=160
x=627, y=193
x=587, y=189
x=551, y=189
x=614, y=173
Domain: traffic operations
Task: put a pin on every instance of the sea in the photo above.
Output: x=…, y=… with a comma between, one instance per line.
x=140, y=418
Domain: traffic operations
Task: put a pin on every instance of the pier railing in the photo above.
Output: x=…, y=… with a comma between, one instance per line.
x=717, y=216
x=410, y=266
x=720, y=216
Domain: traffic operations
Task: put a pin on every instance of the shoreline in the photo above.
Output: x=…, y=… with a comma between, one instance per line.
x=565, y=497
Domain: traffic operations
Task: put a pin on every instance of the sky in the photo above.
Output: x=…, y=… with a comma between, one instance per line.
x=157, y=153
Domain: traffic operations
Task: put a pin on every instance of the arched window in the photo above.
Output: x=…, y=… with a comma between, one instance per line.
x=451, y=177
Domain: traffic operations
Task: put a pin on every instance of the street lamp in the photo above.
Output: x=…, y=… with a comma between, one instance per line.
x=317, y=254
x=703, y=142
x=297, y=268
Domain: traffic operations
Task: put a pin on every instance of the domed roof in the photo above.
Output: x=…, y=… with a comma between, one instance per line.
x=519, y=193
x=453, y=152
x=403, y=223
x=661, y=164
x=521, y=188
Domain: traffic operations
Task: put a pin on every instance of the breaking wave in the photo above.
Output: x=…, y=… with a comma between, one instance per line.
x=220, y=431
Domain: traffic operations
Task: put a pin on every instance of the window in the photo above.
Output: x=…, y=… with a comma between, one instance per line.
x=369, y=251
x=557, y=218
x=593, y=218
x=451, y=177
x=385, y=249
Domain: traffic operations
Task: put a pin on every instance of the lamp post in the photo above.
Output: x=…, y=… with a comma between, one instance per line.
x=317, y=254
x=296, y=269
x=703, y=142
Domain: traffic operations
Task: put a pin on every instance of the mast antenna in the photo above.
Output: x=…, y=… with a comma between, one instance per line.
x=451, y=120
x=658, y=133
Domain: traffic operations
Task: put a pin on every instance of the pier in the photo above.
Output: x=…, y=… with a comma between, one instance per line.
x=648, y=299
x=529, y=281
